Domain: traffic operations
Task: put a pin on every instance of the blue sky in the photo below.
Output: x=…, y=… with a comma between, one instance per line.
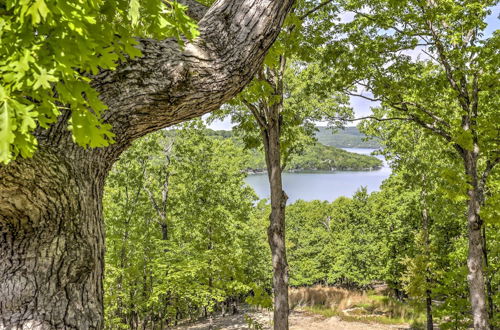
x=362, y=106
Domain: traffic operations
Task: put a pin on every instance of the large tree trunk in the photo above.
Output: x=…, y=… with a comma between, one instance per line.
x=475, y=254
x=51, y=243
x=51, y=230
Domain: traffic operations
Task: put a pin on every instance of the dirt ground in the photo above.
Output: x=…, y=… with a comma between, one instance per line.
x=299, y=320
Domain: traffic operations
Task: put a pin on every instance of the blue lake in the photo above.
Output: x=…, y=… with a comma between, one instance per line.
x=323, y=185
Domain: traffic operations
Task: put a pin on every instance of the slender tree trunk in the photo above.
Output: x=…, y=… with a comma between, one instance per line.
x=428, y=310
x=475, y=254
x=268, y=117
x=51, y=243
x=427, y=241
x=276, y=230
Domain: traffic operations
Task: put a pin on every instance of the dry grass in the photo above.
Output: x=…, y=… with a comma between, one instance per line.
x=353, y=305
x=336, y=299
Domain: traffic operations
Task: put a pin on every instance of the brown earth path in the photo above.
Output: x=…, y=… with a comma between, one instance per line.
x=299, y=320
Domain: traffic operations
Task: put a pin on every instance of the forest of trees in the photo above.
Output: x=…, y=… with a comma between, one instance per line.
x=108, y=221
x=178, y=251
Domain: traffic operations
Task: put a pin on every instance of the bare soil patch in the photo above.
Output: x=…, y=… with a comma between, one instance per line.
x=299, y=320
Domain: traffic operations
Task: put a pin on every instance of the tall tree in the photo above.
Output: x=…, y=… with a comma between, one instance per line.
x=52, y=241
x=275, y=112
x=451, y=90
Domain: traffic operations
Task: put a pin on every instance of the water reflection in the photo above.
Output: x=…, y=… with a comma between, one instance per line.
x=323, y=185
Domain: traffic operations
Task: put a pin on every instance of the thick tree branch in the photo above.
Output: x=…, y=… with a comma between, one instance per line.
x=170, y=84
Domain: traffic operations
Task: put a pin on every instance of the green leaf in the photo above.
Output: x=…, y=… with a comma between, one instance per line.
x=43, y=79
x=7, y=128
x=88, y=131
x=38, y=11
x=134, y=11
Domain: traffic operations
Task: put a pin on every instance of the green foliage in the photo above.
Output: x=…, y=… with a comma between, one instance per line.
x=355, y=246
x=308, y=233
x=48, y=50
x=445, y=103
x=206, y=248
x=217, y=248
x=326, y=158
x=351, y=241
x=453, y=285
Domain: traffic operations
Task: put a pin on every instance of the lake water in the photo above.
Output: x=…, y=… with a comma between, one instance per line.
x=323, y=185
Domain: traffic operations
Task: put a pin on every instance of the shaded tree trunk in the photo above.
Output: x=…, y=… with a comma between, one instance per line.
x=489, y=289
x=51, y=243
x=428, y=310
x=51, y=228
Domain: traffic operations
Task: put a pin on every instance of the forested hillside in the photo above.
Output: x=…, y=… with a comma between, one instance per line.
x=314, y=156
x=347, y=137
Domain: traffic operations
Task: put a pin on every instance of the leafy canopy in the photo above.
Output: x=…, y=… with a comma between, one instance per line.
x=48, y=50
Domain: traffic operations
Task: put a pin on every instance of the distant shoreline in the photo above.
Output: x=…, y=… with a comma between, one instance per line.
x=312, y=171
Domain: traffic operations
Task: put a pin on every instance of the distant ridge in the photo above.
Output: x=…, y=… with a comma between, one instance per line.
x=315, y=157
x=349, y=137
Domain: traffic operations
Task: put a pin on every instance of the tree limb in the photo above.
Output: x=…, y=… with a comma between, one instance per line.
x=256, y=113
x=170, y=84
x=371, y=117
x=364, y=97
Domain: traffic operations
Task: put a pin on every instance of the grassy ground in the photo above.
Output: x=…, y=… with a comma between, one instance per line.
x=359, y=306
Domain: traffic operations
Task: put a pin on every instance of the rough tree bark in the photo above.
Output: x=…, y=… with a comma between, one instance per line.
x=489, y=290
x=51, y=229
x=51, y=243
